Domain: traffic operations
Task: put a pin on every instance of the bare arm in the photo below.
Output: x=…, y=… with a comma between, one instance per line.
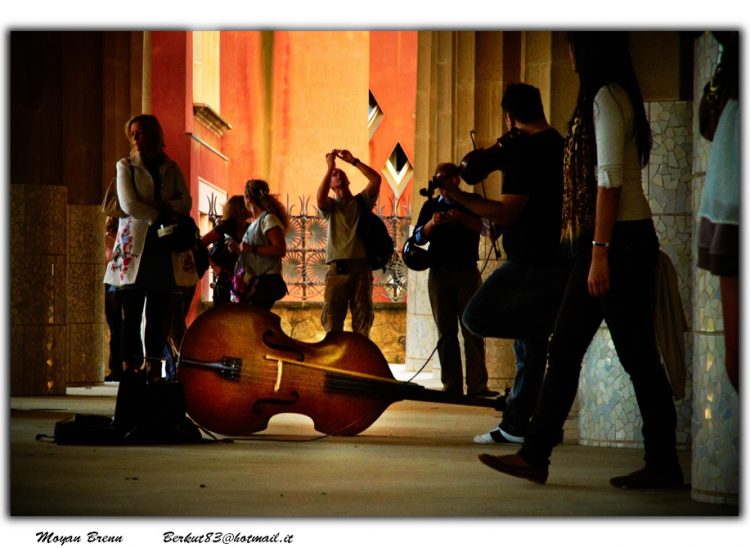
x=373, y=177
x=502, y=212
x=210, y=237
x=470, y=221
x=324, y=201
x=277, y=247
x=607, y=200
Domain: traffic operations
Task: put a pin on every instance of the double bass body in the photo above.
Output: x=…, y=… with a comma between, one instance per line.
x=239, y=369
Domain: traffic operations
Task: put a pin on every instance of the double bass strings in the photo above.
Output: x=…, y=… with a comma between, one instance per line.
x=307, y=376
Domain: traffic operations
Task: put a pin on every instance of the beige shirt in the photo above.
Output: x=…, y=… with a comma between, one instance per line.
x=342, y=229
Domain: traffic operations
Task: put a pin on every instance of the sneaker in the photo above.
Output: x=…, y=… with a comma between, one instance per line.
x=515, y=465
x=651, y=478
x=496, y=436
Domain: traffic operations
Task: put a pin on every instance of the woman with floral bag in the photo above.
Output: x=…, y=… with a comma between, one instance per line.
x=151, y=190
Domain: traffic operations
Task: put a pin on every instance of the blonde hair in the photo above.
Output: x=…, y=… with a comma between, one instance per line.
x=257, y=190
x=150, y=123
x=233, y=207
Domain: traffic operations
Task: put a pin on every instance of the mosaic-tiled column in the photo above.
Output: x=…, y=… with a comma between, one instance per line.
x=716, y=411
x=609, y=414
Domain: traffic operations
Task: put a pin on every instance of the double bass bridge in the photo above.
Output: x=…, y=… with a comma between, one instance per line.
x=229, y=367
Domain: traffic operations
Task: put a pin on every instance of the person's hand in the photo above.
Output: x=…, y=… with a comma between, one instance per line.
x=331, y=159
x=437, y=218
x=599, y=274
x=232, y=246
x=454, y=215
x=345, y=155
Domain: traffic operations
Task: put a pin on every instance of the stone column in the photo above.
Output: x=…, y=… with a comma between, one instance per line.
x=445, y=114
x=461, y=78
x=493, y=51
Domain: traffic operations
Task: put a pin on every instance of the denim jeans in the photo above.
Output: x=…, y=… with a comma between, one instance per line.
x=516, y=301
x=628, y=309
x=519, y=302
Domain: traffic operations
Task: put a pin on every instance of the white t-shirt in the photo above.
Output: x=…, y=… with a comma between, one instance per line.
x=257, y=233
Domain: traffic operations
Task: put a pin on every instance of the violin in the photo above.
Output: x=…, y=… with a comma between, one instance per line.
x=477, y=164
x=238, y=369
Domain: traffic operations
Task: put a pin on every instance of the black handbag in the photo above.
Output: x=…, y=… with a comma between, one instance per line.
x=716, y=93
x=178, y=234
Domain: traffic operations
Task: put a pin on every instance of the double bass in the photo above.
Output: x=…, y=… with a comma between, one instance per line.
x=238, y=369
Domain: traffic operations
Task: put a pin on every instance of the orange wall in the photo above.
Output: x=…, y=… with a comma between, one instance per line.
x=290, y=97
x=243, y=105
x=393, y=82
x=319, y=102
x=172, y=96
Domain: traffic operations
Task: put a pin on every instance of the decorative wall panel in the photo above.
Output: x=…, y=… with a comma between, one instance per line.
x=609, y=414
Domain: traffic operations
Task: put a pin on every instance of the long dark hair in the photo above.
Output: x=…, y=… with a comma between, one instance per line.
x=603, y=58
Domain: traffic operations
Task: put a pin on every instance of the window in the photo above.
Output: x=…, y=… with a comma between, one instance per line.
x=398, y=170
x=374, y=115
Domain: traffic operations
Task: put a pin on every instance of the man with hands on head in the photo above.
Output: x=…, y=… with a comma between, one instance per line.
x=348, y=281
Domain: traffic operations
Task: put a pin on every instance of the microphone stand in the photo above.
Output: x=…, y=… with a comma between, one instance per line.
x=493, y=240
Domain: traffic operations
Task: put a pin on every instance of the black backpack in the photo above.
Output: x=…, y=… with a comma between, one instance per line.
x=145, y=414
x=374, y=234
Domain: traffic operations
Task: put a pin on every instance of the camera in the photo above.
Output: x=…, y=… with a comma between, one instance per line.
x=477, y=164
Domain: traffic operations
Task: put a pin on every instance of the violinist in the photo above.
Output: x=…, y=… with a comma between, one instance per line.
x=520, y=298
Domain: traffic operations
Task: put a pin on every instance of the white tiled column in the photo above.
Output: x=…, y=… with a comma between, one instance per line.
x=716, y=410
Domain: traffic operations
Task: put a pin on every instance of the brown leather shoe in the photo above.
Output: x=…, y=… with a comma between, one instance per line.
x=514, y=465
x=651, y=478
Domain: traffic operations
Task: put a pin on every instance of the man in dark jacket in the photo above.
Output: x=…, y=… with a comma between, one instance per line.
x=453, y=234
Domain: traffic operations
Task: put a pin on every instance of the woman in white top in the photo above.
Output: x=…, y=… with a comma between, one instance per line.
x=608, y=229
x=151, y=190
x=258, y=277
